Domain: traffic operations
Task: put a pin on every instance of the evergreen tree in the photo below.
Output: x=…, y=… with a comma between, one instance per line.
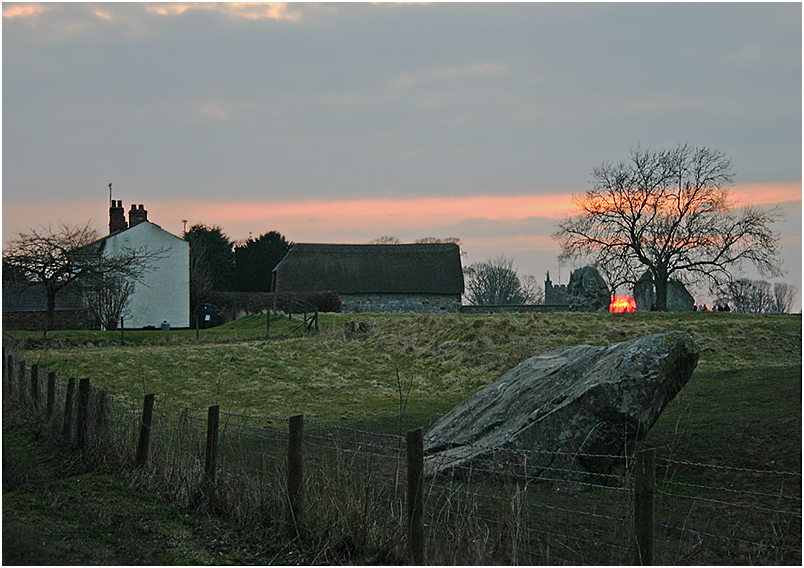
x=255, y=259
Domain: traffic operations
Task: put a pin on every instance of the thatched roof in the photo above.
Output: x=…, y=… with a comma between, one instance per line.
x=371, y=269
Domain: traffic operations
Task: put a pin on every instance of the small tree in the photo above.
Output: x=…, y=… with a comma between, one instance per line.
x=108, y=298
x=495, y=282
x=668, y=211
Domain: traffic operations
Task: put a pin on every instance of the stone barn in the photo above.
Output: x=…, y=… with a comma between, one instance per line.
x=376, y=278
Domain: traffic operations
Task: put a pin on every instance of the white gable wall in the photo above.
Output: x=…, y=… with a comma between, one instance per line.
x=164, y=293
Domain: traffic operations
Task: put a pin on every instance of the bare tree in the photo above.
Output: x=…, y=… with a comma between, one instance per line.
x=436, y=240
x=108, y=298
x=385, y=240
x=532, y=290
x=757, y=296
x=668, y=211
x=53, y=258
x=495, y=282
x=783, y=297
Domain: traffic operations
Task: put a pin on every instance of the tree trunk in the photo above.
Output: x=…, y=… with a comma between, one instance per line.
x=50, y=318
x=661, y=293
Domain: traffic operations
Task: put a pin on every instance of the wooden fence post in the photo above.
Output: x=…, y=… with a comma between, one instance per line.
x=415, y=452
x=213, y=418
x=10, y=377
x=35, y=387
x=67, y=424
x=644, y=488
x=21, y=377
x=102, y=423
x=6, y=368
x=295, y=472
x=51, y=393
x=145, y=430
x=84, y=389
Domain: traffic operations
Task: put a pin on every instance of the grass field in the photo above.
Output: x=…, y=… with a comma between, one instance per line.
x=439, y=359
x=742, y=407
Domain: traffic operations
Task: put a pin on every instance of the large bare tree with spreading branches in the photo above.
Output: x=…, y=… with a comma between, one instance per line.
x=668, y=212
x=54, y=257
x=496, y=282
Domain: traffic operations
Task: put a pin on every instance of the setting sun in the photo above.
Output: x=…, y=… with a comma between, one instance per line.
x=622, y=304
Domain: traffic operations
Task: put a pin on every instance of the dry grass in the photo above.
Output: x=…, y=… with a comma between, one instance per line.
x=736, y=411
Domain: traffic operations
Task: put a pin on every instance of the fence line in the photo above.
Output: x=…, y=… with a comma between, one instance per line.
x=362, y=487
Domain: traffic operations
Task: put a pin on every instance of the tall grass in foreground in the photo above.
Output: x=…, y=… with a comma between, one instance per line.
x=720, y=500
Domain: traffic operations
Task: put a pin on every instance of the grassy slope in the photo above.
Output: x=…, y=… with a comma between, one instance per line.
x=442, y=359
x=741, y=408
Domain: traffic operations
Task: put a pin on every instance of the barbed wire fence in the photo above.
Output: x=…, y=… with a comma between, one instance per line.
x=351, y=494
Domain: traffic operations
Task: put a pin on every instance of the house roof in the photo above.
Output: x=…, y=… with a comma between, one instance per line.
x=366, y=269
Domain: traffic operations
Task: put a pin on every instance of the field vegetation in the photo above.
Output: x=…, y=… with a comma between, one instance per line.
x=742, y=407
x=335, y=375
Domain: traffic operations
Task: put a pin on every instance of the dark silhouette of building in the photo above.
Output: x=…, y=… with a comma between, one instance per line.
x=554, y=293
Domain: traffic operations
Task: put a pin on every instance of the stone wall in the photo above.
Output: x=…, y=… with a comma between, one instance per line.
x=34, y=320
x=516, y=309
x=384, y=303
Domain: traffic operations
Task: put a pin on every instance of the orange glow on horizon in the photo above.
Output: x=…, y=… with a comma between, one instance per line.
x=622, y=304
x=421, y=210
x=481, y=218
x=765, y=193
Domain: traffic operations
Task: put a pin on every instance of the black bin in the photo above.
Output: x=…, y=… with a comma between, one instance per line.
x=207, y=315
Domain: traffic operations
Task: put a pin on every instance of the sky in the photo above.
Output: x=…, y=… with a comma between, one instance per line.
x=341, y=123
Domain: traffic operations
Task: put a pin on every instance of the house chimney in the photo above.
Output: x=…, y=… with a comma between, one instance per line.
x=117, y=217
x=137, y=215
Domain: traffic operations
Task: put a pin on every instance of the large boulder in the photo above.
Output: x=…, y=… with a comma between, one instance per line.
x=577, y=411
x=587, y=291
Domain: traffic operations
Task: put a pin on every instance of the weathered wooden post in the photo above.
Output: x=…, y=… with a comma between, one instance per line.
x=67, y=424
x=644, y=488
x=35, y=387
x=145, y=430
x=295, y=473
x=21, y=377
x=415, y=452
x=84, y=389
x=102, y=419
x=10, y=377
x=213, y=418
x=51, y=393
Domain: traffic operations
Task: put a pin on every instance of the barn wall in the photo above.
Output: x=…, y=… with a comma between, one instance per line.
x=384, y=303
x=34, y=320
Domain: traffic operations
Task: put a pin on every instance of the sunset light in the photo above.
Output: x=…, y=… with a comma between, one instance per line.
x=622, y=304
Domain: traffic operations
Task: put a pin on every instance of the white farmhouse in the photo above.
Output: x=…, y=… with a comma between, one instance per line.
x=163, y=296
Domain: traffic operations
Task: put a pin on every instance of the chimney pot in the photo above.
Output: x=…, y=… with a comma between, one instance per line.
x=117, y=217
x=137, y=215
